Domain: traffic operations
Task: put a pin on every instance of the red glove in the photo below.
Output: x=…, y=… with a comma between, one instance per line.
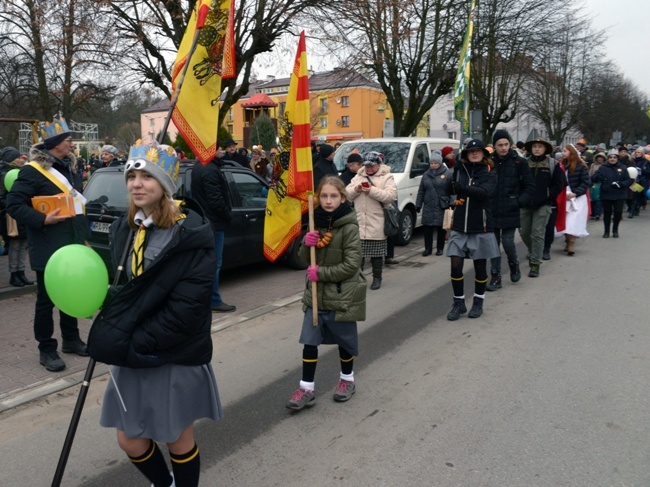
x=312, y=273
x=311, y=239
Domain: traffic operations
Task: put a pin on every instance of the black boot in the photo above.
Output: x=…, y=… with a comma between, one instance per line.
x=495, y=282
x=606, y=234
x=23, y=277
x=15, y=280
x=534, y=270
x=546, y=255
x=377, y=264
x=515, y=273
x=457, y=309
x=477, y=308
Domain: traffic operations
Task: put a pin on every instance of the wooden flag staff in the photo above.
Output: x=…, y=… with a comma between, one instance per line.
x=312, y=259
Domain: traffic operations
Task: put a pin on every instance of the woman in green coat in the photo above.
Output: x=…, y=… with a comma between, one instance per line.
x=341, y=291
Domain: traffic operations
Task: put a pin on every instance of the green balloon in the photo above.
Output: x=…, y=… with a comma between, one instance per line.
x=10, y=177
x=76, y=280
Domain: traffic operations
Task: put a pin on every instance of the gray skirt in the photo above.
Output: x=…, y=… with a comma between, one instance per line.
x=161, y=402
x=473, y=246
x=373, y=248
x=329, y=331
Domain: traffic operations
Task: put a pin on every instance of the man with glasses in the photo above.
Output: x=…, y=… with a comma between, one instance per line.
x=52, y=170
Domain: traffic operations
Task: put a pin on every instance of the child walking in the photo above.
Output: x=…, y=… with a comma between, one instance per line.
x=341, y=291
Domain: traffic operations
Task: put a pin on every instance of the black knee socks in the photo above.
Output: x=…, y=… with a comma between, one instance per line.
x=347, y=361
x=309, y=361
x=187, y=467
x=152, y=465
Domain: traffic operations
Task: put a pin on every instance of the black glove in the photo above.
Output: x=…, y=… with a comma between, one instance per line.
x=616, y=185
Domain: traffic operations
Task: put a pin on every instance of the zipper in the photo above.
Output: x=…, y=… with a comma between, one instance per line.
x=467, y=206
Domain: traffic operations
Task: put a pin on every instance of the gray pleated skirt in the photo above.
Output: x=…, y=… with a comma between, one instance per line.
x=473, y=246
x=329, y=331
x=161, y=402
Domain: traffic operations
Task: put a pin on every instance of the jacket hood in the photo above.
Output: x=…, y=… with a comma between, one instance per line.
x=37, y=153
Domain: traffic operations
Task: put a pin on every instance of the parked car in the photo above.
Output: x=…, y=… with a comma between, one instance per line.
x=408, y=158
x=108, y=199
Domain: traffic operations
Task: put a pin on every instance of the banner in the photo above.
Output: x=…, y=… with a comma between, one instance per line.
x=292, y=176
x=196, y=113
x=462, y=88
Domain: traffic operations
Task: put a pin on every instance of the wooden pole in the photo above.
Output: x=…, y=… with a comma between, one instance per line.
x=312, y=258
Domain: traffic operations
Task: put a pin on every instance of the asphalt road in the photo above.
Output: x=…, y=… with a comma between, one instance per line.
x=548, y=388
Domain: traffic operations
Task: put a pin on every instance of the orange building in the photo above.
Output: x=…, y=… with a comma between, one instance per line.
x=344, y=105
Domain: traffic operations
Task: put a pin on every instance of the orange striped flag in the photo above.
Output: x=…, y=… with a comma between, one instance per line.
x=196, y=113
x=288, y=196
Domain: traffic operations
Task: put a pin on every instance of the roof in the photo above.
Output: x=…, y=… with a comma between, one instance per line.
x=162, y=105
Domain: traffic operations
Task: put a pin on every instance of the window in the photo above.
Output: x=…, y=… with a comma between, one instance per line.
x=451, y=135
x=345, y=121
x=345, y=101
x=421, y=155
x=323, y=122
x=231, y=130
x=323, y=105
x=450, y=116
x=231, y=115
x=252, y=192
x=283, y=107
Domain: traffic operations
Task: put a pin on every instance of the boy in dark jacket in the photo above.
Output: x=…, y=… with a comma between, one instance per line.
x=548, y=183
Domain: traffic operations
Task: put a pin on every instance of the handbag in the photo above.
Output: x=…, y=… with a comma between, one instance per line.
x=447, y=219
x=12, y=227
x=391, y=220
x=594, y=192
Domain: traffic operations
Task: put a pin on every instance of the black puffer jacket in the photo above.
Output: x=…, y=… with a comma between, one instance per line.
x=548, y=184
x=515, y=187
x=579, y=180
x=44, y=240
x=432, y=197
x=210, y=191
x=162, y=316
x=609, y=174
x=476, y=184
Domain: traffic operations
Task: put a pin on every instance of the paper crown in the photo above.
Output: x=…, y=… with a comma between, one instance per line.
x=54, y=128
x=158, y=160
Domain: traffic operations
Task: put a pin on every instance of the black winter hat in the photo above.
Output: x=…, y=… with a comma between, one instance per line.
x=9, y=154
x=474, y=144
x=501, y=134
x=326, y=150
x=355, y=157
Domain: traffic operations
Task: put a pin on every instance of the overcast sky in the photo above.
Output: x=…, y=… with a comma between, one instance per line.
x=628, y=39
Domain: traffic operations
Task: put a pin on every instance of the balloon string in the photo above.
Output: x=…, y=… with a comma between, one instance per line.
x=117, y=389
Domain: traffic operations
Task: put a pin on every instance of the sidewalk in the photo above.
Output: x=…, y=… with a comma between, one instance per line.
x=22, y=379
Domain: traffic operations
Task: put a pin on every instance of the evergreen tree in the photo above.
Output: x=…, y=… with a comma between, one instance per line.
x=263, y=133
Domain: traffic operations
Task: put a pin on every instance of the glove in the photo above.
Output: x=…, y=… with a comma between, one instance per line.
x=311, y=239
x=616, y=185
x=418, y=209
x=312, y=273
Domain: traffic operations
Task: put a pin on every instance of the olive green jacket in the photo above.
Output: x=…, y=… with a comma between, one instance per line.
x=341, y=286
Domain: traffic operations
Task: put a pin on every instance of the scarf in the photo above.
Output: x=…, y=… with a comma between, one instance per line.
x=325, y=219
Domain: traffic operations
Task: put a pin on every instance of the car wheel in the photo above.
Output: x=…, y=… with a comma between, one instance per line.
x=291, y=256
x=406, y=226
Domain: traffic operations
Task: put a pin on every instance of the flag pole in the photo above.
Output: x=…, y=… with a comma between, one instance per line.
x=200, y=22
x=312, y=258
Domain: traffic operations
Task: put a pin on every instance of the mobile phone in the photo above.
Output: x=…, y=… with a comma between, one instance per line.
x=365, y=184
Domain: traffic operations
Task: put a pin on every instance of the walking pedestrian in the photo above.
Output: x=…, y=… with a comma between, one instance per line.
x=341, y=290
x=614, y=181
x=594, y=191
x=572, y=205
x=433, y=200
x=155, y=329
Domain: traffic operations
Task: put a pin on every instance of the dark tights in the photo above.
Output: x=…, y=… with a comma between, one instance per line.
x=615, y=206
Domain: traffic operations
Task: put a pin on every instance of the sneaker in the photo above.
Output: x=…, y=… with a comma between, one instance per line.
x=546, y=255
x=515, y=273
x=495, y=283
x=78, y=347
x=301, y=398
x=534, y=270
x=223, y=308
x=477, y=308
x=457, y=309
x=344, y=390
x=51, y=361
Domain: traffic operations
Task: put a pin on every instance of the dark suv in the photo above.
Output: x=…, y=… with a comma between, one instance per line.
x=108, y=199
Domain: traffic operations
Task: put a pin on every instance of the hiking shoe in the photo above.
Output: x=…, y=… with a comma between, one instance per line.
x=546, y=255
x=477, y=308
x=78, y=347
x=534, y=270
x=495, y=282
x=301, y=398
x=344, y=390
x=51, y=361
x=457, y=309
x=515, y=273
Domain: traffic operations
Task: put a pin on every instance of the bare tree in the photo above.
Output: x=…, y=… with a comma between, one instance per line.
x=409, y=47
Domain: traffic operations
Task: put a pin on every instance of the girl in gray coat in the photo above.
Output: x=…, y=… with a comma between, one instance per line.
x=433, y=200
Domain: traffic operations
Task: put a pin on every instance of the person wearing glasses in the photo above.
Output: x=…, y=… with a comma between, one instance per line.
x=52, y=170
x=614, y=180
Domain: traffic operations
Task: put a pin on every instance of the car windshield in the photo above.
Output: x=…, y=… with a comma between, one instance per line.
x=395, y=153
x=107, y=188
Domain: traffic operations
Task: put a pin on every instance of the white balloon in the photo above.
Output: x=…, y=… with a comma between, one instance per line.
x=633, y=172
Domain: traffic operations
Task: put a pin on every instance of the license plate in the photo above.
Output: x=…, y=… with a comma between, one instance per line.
x=101, y=227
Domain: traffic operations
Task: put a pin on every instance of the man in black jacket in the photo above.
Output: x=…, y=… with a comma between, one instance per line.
x=210, y=190
x=515, y=188
x=549, y=182
x=52, y=170
x=232, y=155
x=324, y=164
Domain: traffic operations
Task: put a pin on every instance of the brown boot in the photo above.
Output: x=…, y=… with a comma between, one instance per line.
x=566, y=243
x=570, y=250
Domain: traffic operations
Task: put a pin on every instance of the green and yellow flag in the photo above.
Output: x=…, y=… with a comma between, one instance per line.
x=461, y=92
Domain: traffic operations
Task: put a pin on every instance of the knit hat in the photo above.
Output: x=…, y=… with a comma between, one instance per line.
x=519, y=144
x=111, y=149
x=501, y=134
x=159, y=161
x=54, y=133
x=326, y=150
x=446, y=150
x=9, y=154
x=354, y=157
x=558, y=156
x=373, y=158
x=436, y=156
